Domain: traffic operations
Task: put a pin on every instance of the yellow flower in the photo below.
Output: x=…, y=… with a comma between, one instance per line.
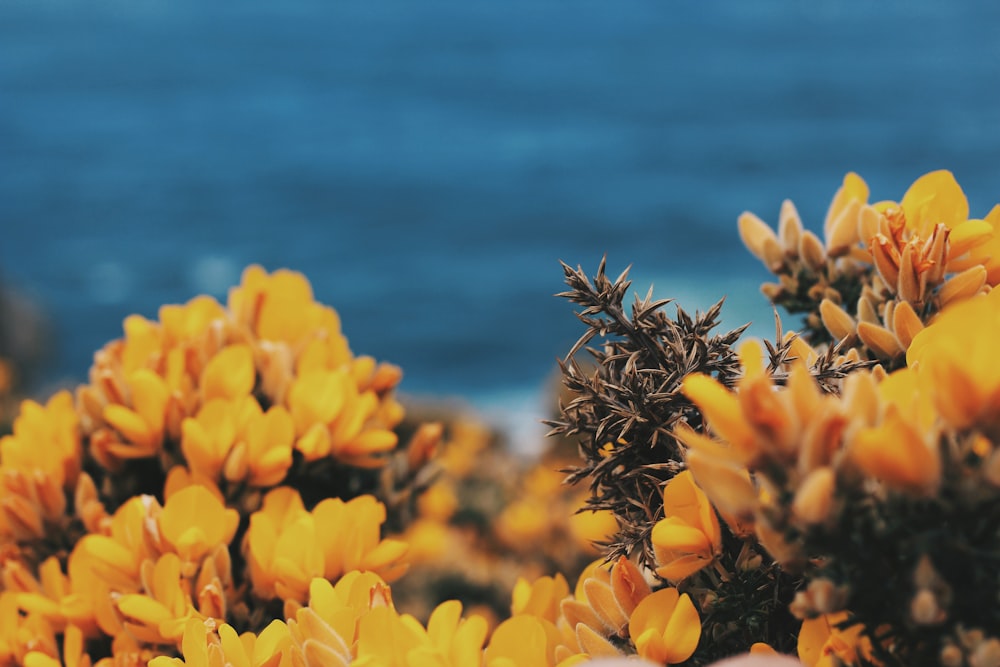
x=592, y=526
x=201, y=647
x=280, y=307
x=23, y=634
x=665, y=627
x=986, y=254
x=208, y=436
x=540, y=598
x=954, y=359
x=522, y=641
x=599, y=614
x=459, y=640
x=114, y=559
x=230, y=374
x=136, y=426
x=524, y=522
x=823, y=644
x=349, y=537
x=188, y=324
x=50, y=595
x=157, y=616
x=194, y=522
x=898, y=453
x=933, y=199
x=41, y=461
x=287, y=547
x=688, y=537
x=45, y=438
x=73, y=652
x=265, y=451
x=925, y=236
x=332, y=418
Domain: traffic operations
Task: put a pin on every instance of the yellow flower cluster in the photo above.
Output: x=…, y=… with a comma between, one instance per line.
x=234, y=391
x=892, y=472
x=160, y=500
x=354, y=622
x=612, y=612
x=886, y=267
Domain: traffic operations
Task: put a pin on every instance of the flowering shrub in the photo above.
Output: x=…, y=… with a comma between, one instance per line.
x=234, y=486
x=832, y=494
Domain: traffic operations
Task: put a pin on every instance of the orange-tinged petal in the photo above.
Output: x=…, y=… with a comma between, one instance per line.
x=722, y=409
x=759, y=239
x=842, y=231
x=233, y=648
x=836, y=320
x=594, y=644
x=663, y=625
x=628, y=584
x=711, y=448
x=602, y=601
x=852, y=189
x=963, y=285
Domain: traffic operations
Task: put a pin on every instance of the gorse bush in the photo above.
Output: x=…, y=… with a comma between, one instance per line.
x=233, y=485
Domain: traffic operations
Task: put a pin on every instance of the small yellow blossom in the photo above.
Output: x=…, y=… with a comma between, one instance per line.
x=522, y=641
x=203, y=647
x=665, y=627
x=208, y=437
x=40, y=462
x=229, y=374
x=332, y=418
x=45, y=438
x=193, y=522
x=688, y=537
x=822, y=643
x=954, y=359
x=540, y=598
x=22, y=634
x=287, y=547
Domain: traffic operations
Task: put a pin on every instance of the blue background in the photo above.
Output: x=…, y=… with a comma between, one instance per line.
x=427, y=163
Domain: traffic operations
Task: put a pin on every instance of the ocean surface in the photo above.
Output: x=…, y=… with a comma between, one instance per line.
x=428, y=163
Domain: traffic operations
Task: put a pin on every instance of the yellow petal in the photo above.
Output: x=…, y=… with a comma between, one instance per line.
x=722, y=409
x=628, y=584
x=229, y=374
x=962, y=286
x=683, y=631
x=968, y=235
x=814, y=498
x=759, y=238
x=726, y=484
x=836, y=320
x=934, y=198
x=897, y=454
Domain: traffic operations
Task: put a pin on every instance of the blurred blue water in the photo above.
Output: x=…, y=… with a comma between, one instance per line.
x=426, y=164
